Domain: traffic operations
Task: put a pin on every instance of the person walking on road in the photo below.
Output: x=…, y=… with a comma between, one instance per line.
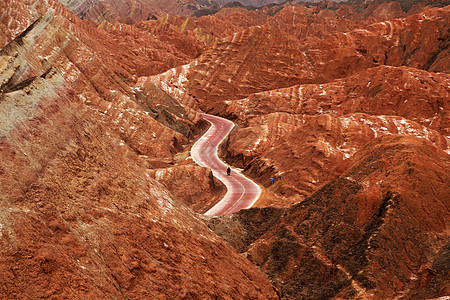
x=228, y=171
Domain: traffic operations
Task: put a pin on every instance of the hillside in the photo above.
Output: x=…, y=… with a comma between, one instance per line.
x=344, y=105
x=81, y=217
x=378, y=230
x=132, y=11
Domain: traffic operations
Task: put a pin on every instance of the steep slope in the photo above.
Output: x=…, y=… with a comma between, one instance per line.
x=379, y=230
x=265, y=57
x=419, y=41
x=207, y=29
x=407, y=5
x=126, y=49
x=132, y=11
x=193, y=185
x=255, y=3
x=80, y=216
x=18, y=15
x=83, y=220
x=408, y=92
x=237, y=66
x=144, y=53
x=300, y=151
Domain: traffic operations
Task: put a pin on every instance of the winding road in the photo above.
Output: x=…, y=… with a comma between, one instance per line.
x=242, y=192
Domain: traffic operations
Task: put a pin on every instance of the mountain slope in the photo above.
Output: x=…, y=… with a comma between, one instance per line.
x=380, y=229
x=132, y=11
x=80, y=216
x=264, y=57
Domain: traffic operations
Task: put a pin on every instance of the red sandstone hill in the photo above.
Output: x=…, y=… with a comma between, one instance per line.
x=301, y=147
x=256, y=3
x=131, y=51
x=265, y=57
x=414, y=94
x=80, y=214
x=379, y=230
x=299, y=151
x=94, y=168
x=132, y=11
x=299, y=134
x=358, y=86
x=406, y=5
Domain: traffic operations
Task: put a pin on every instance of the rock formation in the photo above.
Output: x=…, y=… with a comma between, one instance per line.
x=132, y=11
x=193, y=185
x=346, y=106
x=378, y=230
x=256, y=3
x=81, y=216
x=414, y=94
x=300, y=151
x=265, y=57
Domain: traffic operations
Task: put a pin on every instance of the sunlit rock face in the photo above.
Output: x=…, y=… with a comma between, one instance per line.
x=255, y=3
x=345, y=107
x=299, y=134
x=334, y=93
x=265, y=57
x=132, y=11
x=352, y=125
x=80, y=214
x=377, y=230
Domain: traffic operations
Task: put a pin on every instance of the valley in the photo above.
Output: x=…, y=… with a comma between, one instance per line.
x=338, y=112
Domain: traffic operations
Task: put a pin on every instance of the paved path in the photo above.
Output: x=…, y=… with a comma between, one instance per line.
x=242, y=192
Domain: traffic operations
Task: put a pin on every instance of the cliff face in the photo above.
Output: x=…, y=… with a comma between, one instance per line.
x=80, y=214
x=378, y=230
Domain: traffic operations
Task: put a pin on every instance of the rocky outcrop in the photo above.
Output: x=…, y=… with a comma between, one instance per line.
x=227, y=70
x=300, y=151
x=80, y=215
x=173, y=30
x=192, y=185
x=132, y=11
x=264, y=57
x=406, y=6
x=299, y=134
x=255, y=3
x=377, y=230
x=414, y=94
x=122, y=11
x=129, y=51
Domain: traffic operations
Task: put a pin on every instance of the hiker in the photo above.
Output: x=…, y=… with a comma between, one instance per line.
x=228, y=171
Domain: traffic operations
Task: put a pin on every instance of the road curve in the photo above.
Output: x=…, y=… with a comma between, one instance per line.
x=242, y=192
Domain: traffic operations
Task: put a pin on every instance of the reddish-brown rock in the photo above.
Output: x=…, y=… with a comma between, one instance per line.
x=379, y=230
x=256, y=3
x=132, y=11
x=265, y=57
x=80, y=216
x=92, y=168
x=193, y=185
x=130, y=51
x=299, y=151
x=414, y=94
